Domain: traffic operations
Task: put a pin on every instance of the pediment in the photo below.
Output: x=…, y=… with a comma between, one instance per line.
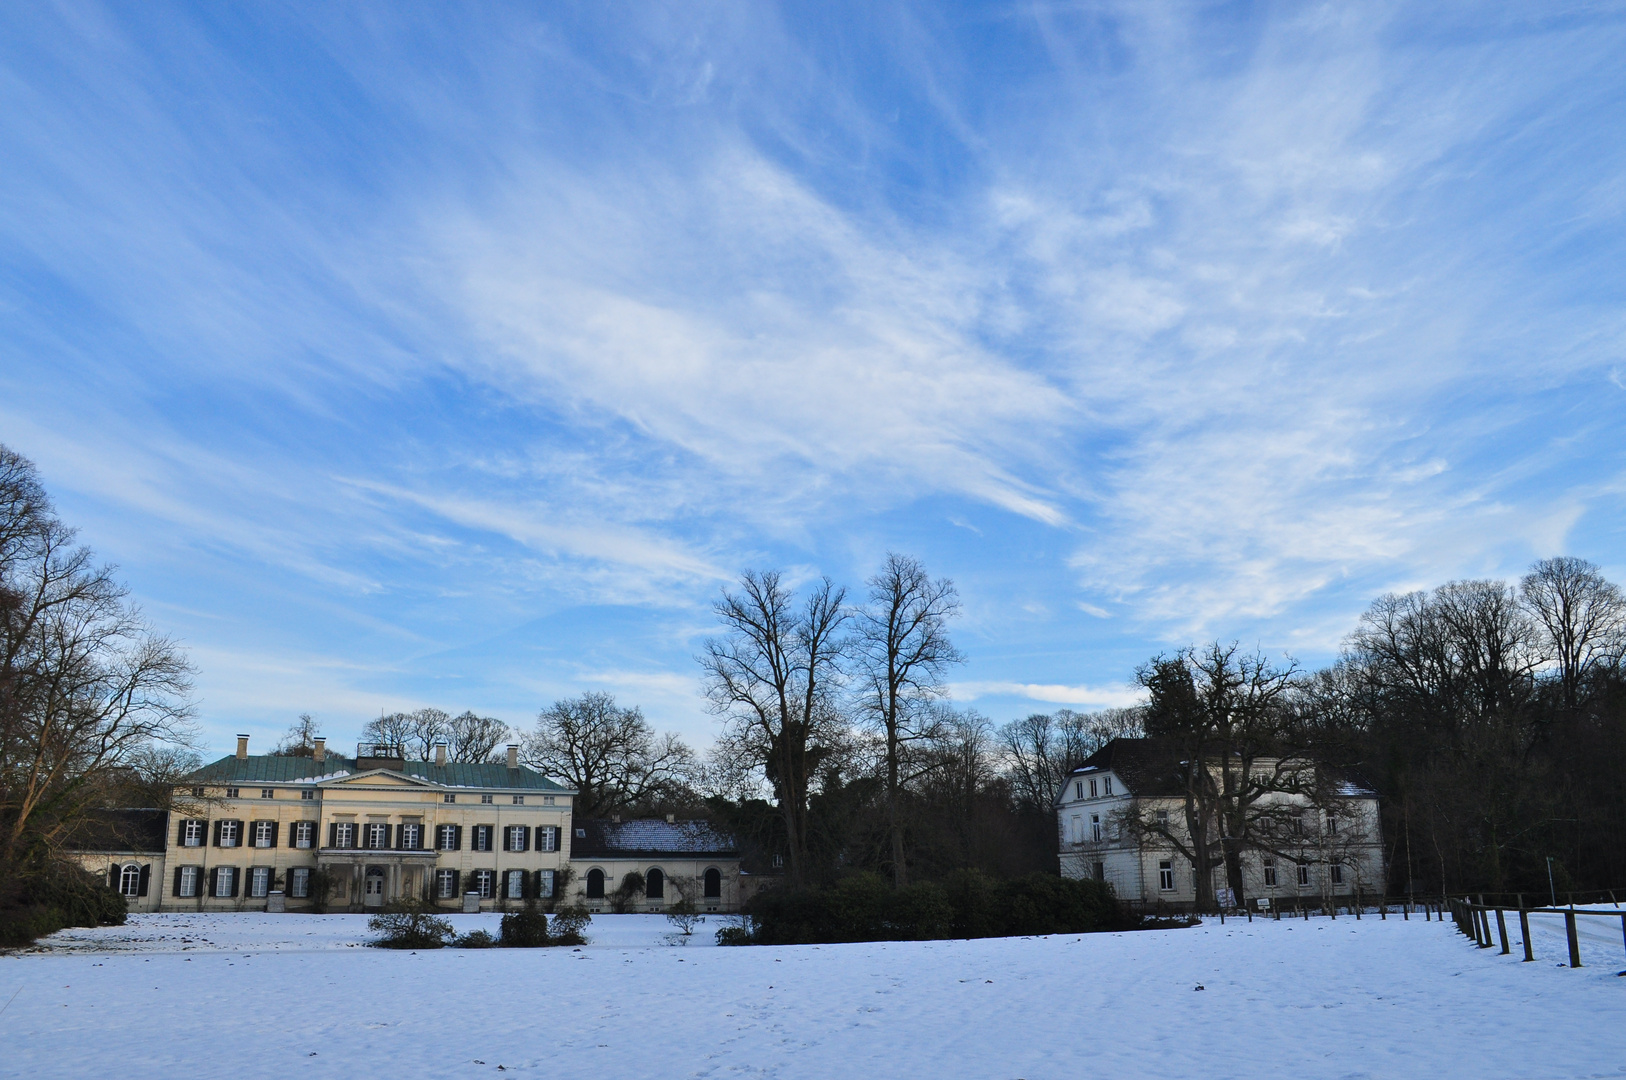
x=376, y=778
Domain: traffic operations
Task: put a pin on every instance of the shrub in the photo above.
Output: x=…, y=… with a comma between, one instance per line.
x=475, y=939
x=60, y=895
x=569, y=923
x=632, y=887
x=684, y=915
x=562, y=879
x=410, y=924
x=321, y=886
x=968, y=904
x=735, y=933
x=526, y=928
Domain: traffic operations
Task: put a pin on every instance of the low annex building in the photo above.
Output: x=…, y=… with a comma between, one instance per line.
x=1113, y=809
x=647, y=865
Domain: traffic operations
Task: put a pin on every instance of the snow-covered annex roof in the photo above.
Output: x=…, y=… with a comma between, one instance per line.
x=616, y=839
x=1150, y=767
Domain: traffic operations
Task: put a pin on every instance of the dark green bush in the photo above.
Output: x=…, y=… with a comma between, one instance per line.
x=526, y=928
x=410, y=924
x=59, y=895
x=569, y=923
x=475, y=939
x=863, y=907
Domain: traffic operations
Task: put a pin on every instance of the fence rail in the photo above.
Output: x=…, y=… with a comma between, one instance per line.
x=1473, y=915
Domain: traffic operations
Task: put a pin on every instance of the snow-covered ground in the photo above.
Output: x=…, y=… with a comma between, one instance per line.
x=299, y=996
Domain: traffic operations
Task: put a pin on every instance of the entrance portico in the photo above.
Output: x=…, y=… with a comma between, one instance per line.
x=371, y=879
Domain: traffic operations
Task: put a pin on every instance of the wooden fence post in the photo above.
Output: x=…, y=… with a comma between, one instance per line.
x=1575, y=944
x=1524, y=928
x=1501, y=931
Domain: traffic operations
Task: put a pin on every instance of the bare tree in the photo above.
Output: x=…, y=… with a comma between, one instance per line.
x=474, y=739
x=902, y=650
x=609, y=753
x=772, y=676
x=1582, y=616
x=1042, y=748
x=300, y=739
x=469, y=738
x=88, y=692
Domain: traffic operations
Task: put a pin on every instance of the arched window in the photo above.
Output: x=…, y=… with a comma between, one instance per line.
x=595, y=884
x=714, y=883
x=130, y=880
x=655, y=884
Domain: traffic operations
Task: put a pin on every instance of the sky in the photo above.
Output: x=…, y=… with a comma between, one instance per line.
x=409, y=355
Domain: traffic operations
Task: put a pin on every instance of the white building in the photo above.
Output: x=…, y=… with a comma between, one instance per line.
x=1307, y=850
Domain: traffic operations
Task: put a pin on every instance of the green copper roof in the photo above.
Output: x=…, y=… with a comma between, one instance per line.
x=272, y=769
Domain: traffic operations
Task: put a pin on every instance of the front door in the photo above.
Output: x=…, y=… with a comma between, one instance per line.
x=373, y=894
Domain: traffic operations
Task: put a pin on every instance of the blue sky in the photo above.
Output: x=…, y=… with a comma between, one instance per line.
x=458, y=355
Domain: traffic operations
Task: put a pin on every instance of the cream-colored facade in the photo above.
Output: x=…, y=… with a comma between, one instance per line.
x=672, y=860
x=378, y=828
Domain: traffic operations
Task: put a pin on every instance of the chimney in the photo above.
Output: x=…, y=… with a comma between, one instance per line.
x=440, y=755
x=242, y=747
x=513, y=755
x=615, y=819
x=671, y=819
x=320, y=752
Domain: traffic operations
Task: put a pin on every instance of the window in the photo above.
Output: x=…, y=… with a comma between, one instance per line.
x=486, y=799
x=299, y=883
x=581, y=834
x=1337, y=873
x=197, y=793
x=1270, y=874
x=344, y=834
x=1332, y=825
x=304, y=834
x=411, y=837
x=309, y=794
x=515, y=838
x=231, y=793
x=1106, y=786
x=778, y=862
x=1099, y=871
x=544, y=879
x=1163, y=820
x=714, y=883
x=1078, y=790
x=519, y=800
x=259, y=881
x=1165, y=876
x=186, y=881
x=1095, y=827
x=654, y=884
x=225, y=881
x=130, y=881
x=482, y=837
x=228, y=833
x=1304, y=874
x=446, y=837
x=265, y=834
x=547, y=838
x=268, y=793
x=595, y=884
x=378, y=835
x=446, y=884
x=514, y=887
x=485, y=883
x=1092, y=789
x=1076, y=830
x=547, y=800
x=192, y=834
x=448, y=797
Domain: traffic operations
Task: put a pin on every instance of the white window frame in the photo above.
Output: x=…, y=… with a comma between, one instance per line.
x=1165, y=875
x=1075, y=830
x=1304, y=875
x=1095, y=827
x=475, y=839
x=225, y=882
x=446, y=884
x=380, y=831
x=258, y=886
x=1270, y=874
x=299, y=883
x=1092, y=789
x=509, y=877
x=513, y=836
x=344, y=835
x=302, y=834
x=445, y=837
x=519, y=800
x=487, y=800
x=546, y=836
x=417, y=837
x=449, y=797
x=268, y=793
x=189, y=882
x=485, y=883
x=264, y=830
x=1106, y=785
x=228, y=834
x=196, y=834
x=130, y=881
x=309, y=794
x=548, y=884
x=232, y=793
x=1337, y=871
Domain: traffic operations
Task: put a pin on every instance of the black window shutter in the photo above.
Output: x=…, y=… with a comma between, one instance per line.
x=177, y=889
x=276, y=827
x=180, y=834
x=113, y=877
x=146, y=878
x=525, y=839
x=457, y=838
x=218, y=825
x=457, y=879
x=387, y=830
x=333, y=834
x=235, y=880
x=213, y=880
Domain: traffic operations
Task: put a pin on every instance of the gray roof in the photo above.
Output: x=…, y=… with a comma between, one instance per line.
x=274, y=769
x=1155, y=767
x=120, y=830
x=616, y=839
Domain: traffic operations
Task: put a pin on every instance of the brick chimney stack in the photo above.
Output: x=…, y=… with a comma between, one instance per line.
x=242, y=747
x=440, y=755
x=513, y=755
x=320, y=752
